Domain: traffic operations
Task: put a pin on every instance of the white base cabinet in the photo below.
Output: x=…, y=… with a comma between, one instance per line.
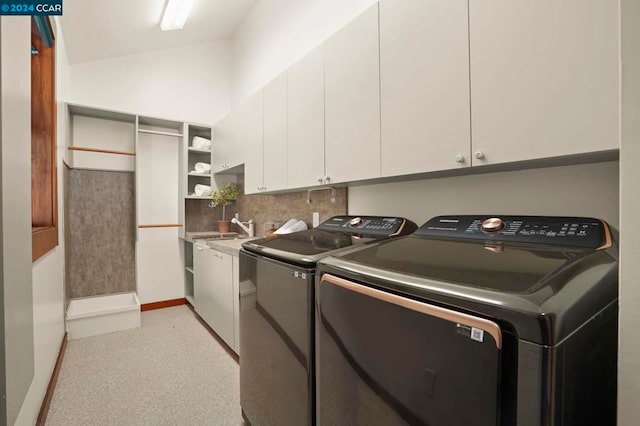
x=213, y=291
x=159, y=265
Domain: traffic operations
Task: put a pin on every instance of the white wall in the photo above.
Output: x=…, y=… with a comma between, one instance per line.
x=279, y=32
x=629, y=354
x=16, y=299
x=48, y=329
x=188, y=83
x=578, y=190
x=48, y=271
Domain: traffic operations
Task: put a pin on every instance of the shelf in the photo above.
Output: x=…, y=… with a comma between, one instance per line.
x=199, y=150
x=198, y=197
x=189, y=268
x=102, y=114
x=157, y=132
x=200, y=175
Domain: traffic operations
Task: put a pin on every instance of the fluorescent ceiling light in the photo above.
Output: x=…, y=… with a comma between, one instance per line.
x=175, y=14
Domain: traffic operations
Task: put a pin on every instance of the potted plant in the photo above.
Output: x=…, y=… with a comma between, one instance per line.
x=223, y=198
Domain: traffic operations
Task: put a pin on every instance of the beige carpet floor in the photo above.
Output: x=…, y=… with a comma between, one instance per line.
x=170, y=371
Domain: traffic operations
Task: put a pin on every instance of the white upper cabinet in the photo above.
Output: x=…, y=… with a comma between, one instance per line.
x=424, y=85
x=305, y=121
x=544, y=78
x=352, y=100
x=225, y=146
x=275, y=134
x=250, y=119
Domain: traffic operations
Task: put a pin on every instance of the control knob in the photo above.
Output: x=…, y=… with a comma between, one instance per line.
x=355, y=221
x=492, y=224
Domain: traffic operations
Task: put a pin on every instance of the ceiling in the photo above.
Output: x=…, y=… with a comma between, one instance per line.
x=100, y=29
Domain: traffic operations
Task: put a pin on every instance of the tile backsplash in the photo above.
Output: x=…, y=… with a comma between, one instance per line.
x=266, y=208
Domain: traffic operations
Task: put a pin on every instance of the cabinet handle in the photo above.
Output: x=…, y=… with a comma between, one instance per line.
x=479, y=155
x=327, y=179
x=460, y=158
x=320, y=180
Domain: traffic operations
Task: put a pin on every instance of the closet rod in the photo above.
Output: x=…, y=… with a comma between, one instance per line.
x=156, y=132
x=101, y=151
x=162, y=225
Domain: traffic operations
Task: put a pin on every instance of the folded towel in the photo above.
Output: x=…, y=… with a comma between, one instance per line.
x=284, y=229
x=202, y=167
x=201, y=190
x=292, y=225
x=299, y=226
x=199, y=142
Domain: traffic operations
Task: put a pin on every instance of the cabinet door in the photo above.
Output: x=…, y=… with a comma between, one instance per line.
x=305, y=121
x=159, y=265
x=424, y=85
x=236, y=302
x=213, y=291
x=352, y=100
x=157, y=194
x=544, y=78
x=250, y=123
x=223, y=143
x=275, y=134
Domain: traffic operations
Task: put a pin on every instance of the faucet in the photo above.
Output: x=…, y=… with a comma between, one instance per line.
x=250, y=230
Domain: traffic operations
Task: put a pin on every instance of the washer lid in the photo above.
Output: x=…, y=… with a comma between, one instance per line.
x=335, y=234
x=544, y=291
x=304, y=247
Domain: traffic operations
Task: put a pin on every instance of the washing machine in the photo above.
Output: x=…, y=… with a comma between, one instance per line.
x=277, y=277
x=472, y=320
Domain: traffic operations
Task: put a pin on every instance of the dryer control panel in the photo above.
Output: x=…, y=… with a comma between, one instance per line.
x=369, y=226
x=550, y=230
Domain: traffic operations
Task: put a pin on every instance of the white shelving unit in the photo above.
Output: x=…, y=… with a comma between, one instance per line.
x=188, y=272
x=158, y=151
x=197, y=155
x=159, y=209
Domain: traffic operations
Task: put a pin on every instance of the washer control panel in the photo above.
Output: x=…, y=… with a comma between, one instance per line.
x=550, y=230
x=373, y=226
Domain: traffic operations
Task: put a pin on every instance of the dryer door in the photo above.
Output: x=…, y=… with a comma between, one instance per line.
x=383, y=359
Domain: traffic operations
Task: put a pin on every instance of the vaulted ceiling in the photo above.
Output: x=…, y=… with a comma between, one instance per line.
x=100, y=29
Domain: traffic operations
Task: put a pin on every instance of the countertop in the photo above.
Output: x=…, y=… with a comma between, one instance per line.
x=229, y=246
x=192, y=236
